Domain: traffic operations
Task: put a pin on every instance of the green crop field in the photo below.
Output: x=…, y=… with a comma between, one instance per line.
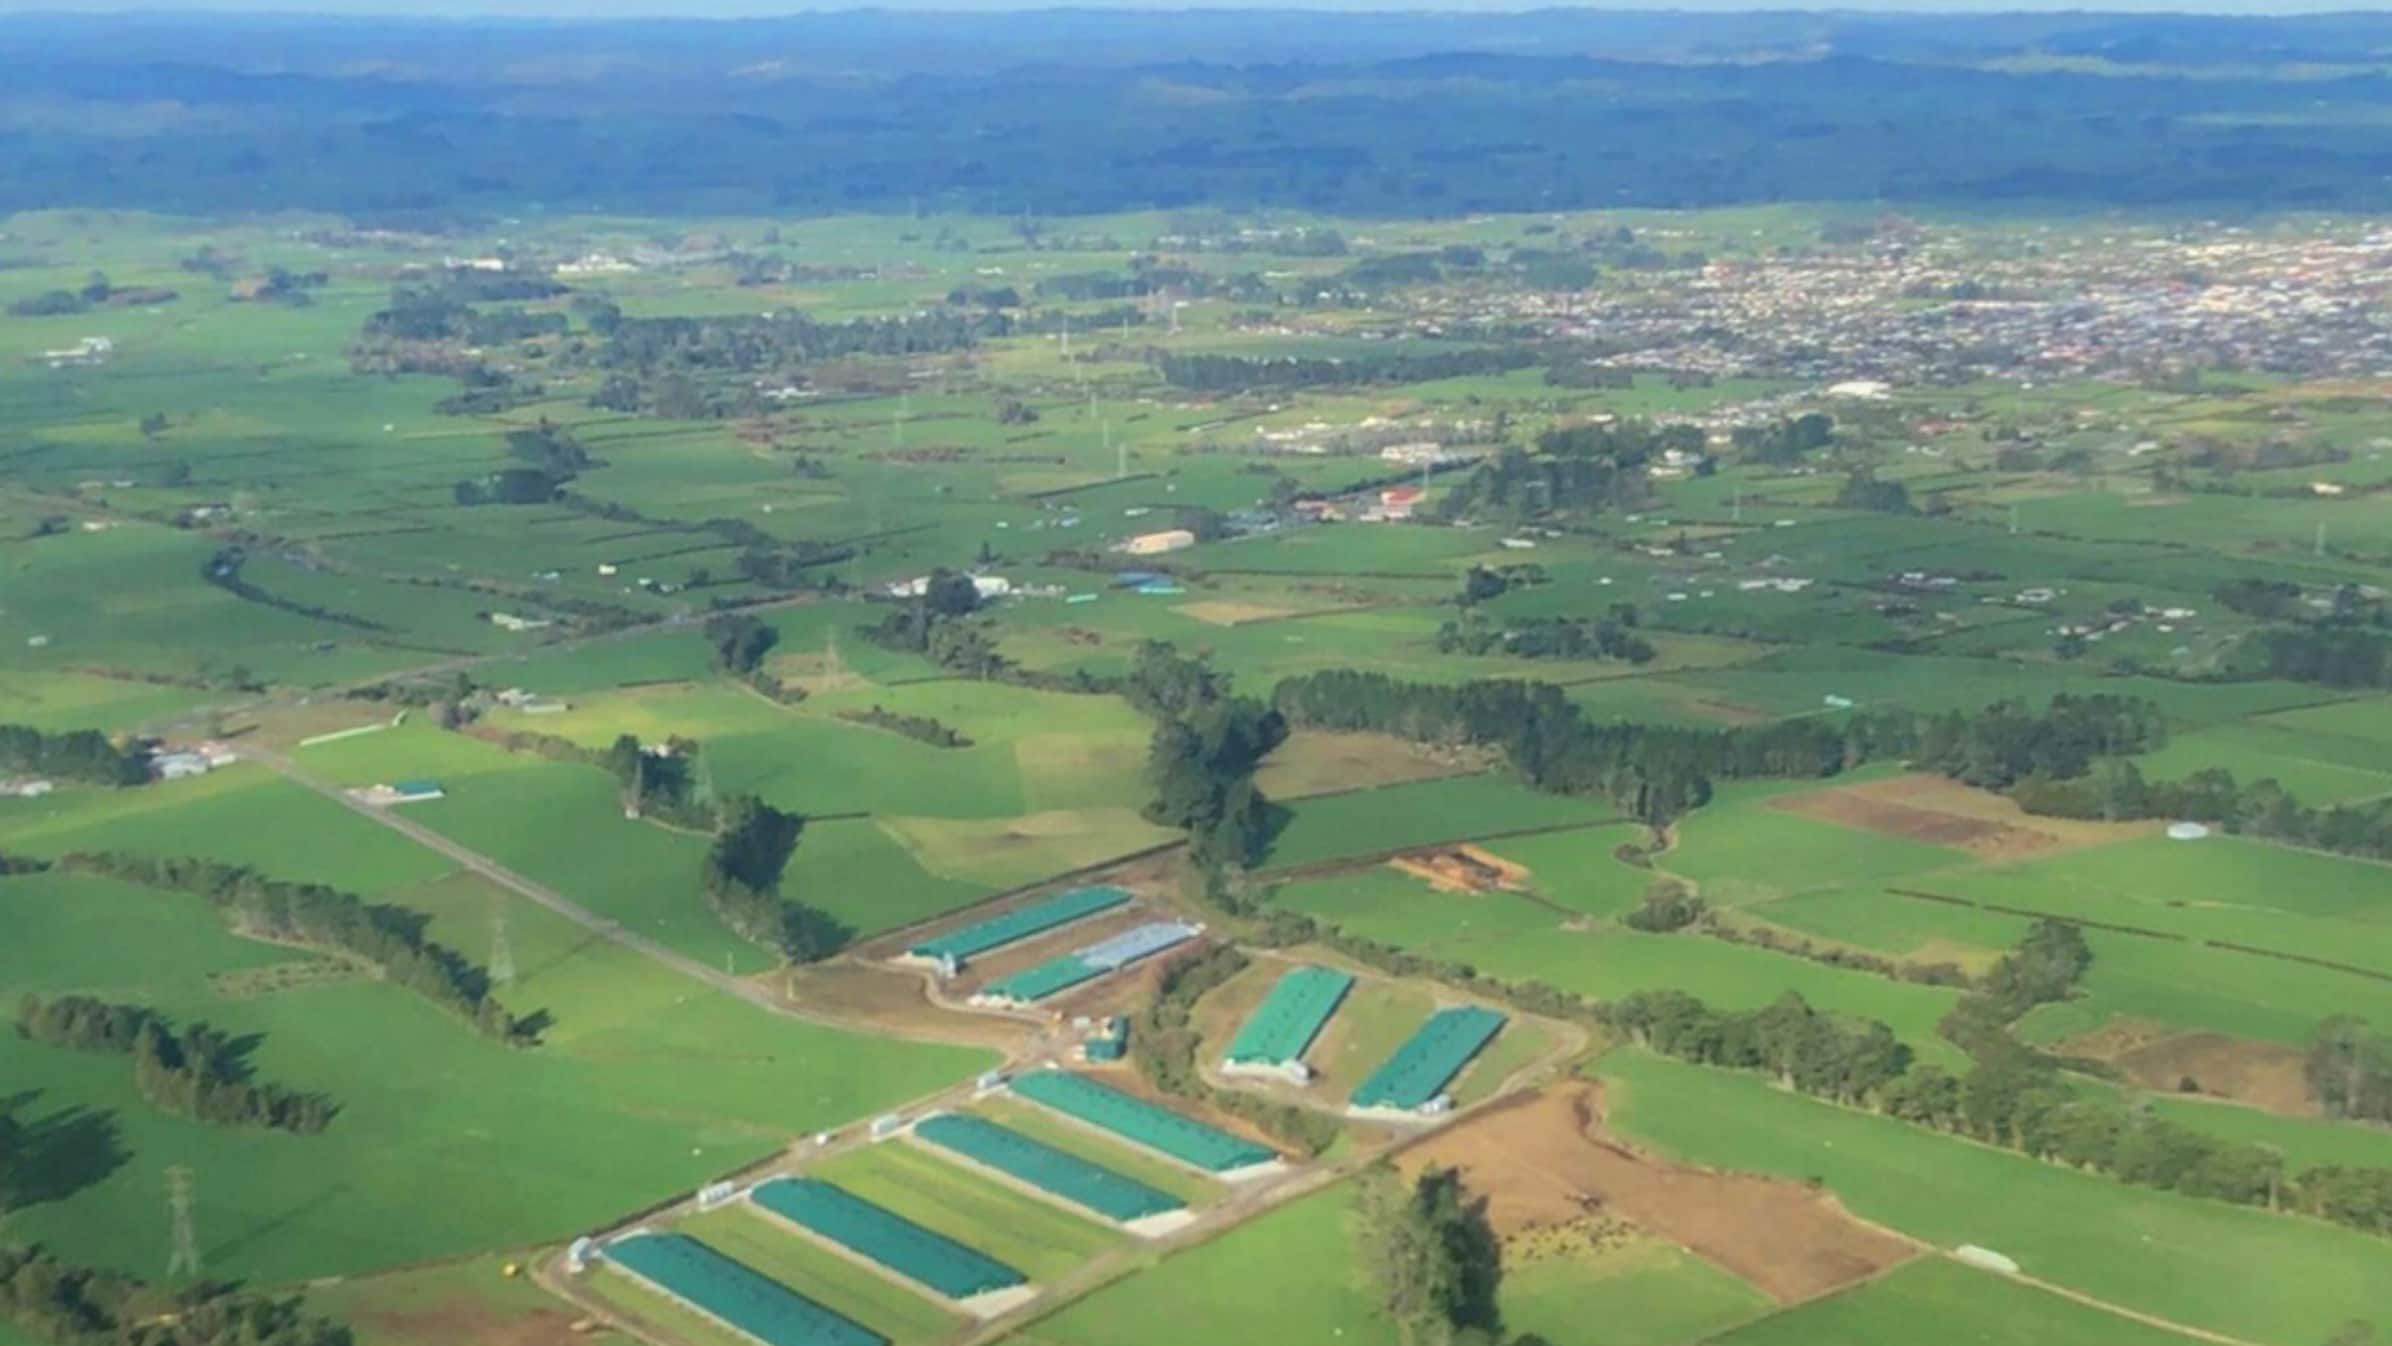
x=2264, y=1278
x=1965, y=1305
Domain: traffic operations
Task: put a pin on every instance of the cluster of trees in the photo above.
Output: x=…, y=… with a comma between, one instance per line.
x=664, y=784
x=1250, y=373
x=1201, y=760
x=2008, y=743
x=196, y=1072
x=76, y=1306
x=699, y=368
x=741, y=876
x=549, y=457
x=2331, y=656
x=1610, y=637
x=736, y=643
x=2043, y=969
x=784, y=565
x=921, y=728
x=84, y=755
x=97, y=289
x=1784, y=442
x=1431, y=1255
x=2350, y=1070
x=1575, y=469
x=1164, y=1042
x=311, y=914
x=1862, y=489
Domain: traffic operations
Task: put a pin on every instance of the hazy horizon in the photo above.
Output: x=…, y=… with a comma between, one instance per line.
x=753, y=9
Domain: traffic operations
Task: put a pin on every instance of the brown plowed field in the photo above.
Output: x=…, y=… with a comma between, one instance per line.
x=1941, y=812
x=2266, y=1075
x=1544, y=1159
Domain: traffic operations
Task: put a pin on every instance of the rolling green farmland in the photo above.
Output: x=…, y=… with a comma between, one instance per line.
x=2260, y=1277
x=1644, y=1293
x=1966, y=1305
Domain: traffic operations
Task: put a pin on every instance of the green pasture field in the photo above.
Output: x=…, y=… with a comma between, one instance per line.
x=1520, y=1044
x=1641, y=1293
x=904, y=1315
x=1034, y=1237
x=2315, y=768
x=242, y=815
x=2263, y=1278
x=445, y=1143
x=2223, y=888
x=2305, y=1142
x=2199, y=988
x=2366, y=718
x=1510, y=937
x=1000, y=853
x=1160, y=1174
x=510, y=806
x=55, y=702
x=1965, y=1305
x=1368, y=821
x=1290, y=1274
x=1739, y=850
x=1576, y=870
x=1902, y=927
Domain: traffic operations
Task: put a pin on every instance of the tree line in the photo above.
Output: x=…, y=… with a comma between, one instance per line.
x=79, y=1306
x=2349, y=1070
x=2117, y=792
x=1658, y=773
x=82, y=755
x=1253, y=373
x=1610, y=637
x=196, y=1071
x=389, y=937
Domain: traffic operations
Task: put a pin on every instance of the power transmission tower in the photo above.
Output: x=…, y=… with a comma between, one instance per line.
x=1736, y=505
x=502, y=949
x=184, y=1260
x=830, y=657
x=2321, y=537
x=2014, y=520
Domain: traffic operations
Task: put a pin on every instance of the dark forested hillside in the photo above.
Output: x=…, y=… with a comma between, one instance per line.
x=1069, y=112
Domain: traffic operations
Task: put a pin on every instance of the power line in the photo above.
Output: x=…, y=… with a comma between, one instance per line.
x=184, y=1260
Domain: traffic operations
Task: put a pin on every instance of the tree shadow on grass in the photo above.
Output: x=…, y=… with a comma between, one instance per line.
x=61, y=1153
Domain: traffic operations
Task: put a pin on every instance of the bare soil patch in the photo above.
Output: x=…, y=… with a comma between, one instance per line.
x=1543, y=1161
x=1463, y=869
x=1227, y=612
x=2266, y=1075
x=892, y=1000
x=1941, y=812
x=472, y=1325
